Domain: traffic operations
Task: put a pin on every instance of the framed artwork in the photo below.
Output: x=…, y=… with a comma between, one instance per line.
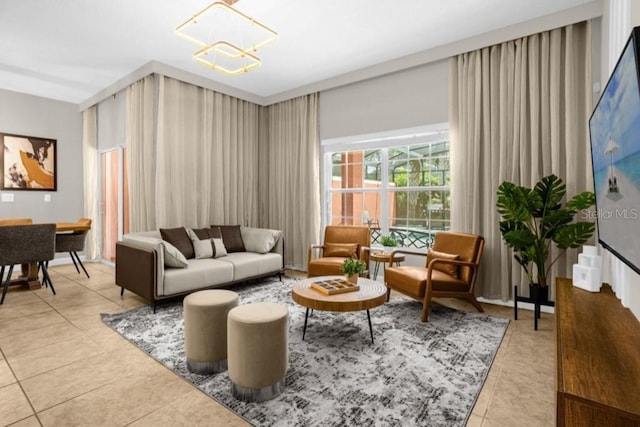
x=28, y=163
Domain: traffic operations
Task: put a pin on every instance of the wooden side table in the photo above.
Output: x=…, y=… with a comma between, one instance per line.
x=382, y=257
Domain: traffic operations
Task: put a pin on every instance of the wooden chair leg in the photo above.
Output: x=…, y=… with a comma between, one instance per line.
x=388, y=292
x=476, y=304
x=426, y=304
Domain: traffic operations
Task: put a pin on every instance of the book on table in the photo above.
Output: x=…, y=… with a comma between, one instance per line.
x=334, y=286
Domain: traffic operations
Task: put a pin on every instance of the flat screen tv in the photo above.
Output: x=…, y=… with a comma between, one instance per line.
x=614, y=129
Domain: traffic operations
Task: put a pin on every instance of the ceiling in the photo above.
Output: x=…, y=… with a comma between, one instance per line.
x=70, y=50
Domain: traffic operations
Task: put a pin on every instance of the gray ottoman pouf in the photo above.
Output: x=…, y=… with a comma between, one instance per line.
x=257, y=344
x=205, y=329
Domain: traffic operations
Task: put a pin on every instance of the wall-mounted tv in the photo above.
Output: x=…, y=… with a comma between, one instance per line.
x=615, y=149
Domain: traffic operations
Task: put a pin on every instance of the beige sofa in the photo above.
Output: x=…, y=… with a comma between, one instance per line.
x=154, y=269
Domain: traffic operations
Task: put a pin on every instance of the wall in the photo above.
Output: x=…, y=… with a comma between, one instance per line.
x=34, y=116
x=405, y=99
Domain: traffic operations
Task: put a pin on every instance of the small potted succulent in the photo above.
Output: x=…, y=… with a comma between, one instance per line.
x=352, y=267
x=389, y=242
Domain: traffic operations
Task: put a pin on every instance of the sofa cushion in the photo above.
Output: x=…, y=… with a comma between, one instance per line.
x=179, y=238
x=346, y=250
x=260, y=240
x=203, y=248
x=231, y=237
x=250, y=264
x=202, y=273
x=450, y=269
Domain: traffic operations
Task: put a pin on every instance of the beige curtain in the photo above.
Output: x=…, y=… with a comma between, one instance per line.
x=206, y=159
x=141, y=153
x=518, y=111
x=90, y=179
x=290, y=178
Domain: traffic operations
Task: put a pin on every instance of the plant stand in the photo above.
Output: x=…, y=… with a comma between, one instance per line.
x=536, y=300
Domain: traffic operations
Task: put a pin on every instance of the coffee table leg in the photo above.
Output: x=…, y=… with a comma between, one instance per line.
x=306, y=316
x=370, y=328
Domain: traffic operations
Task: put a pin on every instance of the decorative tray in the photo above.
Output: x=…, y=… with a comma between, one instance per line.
x=334, y=286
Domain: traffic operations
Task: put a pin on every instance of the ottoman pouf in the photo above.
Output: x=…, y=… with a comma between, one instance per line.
x=205, y=329
x=257, y=344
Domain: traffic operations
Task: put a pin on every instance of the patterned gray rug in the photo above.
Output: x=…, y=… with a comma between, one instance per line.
x=415, y=374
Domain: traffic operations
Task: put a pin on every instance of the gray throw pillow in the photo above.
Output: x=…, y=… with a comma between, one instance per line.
x=260, y=240
x=202, y=248
x=220, y=248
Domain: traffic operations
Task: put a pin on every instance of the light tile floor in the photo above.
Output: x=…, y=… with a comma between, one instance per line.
x=61, y=366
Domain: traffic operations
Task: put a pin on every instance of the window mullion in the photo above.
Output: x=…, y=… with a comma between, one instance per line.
x=384, y=189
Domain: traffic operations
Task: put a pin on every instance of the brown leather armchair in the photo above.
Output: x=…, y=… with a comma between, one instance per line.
x=340, y=242
x=450, y=271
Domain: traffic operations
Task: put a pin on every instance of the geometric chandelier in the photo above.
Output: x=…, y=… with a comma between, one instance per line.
x=243, y=36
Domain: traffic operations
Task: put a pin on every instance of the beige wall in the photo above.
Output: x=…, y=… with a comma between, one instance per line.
x=34, y=116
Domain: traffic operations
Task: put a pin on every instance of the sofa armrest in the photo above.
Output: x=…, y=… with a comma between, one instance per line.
x=136, y=269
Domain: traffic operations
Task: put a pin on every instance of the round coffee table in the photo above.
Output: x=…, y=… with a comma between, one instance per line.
x=371, y=294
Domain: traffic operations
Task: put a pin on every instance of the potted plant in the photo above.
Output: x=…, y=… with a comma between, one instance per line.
x=352, y=267
x=533, y=219
x=388, y=242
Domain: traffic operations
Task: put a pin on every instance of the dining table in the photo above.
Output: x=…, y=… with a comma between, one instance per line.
x=29, y=277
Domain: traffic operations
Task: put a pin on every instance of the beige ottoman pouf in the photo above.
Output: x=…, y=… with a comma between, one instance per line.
x=257, y=344
x=205, y=329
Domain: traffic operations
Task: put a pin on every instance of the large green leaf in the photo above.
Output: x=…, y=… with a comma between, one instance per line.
x=551, y=190
x=574, y=235
x=520, y=240
x=581, y=201
x=512, y=202
x=553, y=221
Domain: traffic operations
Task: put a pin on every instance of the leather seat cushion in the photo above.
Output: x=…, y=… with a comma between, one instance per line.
x=326, y=266
x=412, y=280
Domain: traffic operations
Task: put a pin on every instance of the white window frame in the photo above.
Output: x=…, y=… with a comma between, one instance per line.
x=384, y=141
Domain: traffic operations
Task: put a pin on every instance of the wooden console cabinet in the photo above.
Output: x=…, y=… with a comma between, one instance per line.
x=597, y=359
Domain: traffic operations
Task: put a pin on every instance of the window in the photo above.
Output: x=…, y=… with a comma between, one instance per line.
x=396, y=184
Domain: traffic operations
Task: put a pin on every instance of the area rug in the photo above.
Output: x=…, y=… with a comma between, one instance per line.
x=414, y=374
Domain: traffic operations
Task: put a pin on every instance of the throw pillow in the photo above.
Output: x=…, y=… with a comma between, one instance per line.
x=220, y=249
x=450, y=269
x=203, y=248
x=179, y=238
x=173, y=257
x=207, y=233
x=346, y=250
x=260, y=240
x=231, y=237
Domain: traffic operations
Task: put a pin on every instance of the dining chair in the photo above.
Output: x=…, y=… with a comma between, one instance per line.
x=23, y=244
x=73, y=243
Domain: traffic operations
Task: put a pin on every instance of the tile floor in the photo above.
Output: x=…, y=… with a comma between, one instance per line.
x=61, y=366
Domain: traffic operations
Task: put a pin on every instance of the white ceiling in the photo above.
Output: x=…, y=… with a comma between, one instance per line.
x=70, y=50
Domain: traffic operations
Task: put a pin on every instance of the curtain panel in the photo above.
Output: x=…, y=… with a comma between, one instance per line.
x=290, y=175
x=141, y=151
x=206, y=165
x=90, y=179
x=518, y=111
